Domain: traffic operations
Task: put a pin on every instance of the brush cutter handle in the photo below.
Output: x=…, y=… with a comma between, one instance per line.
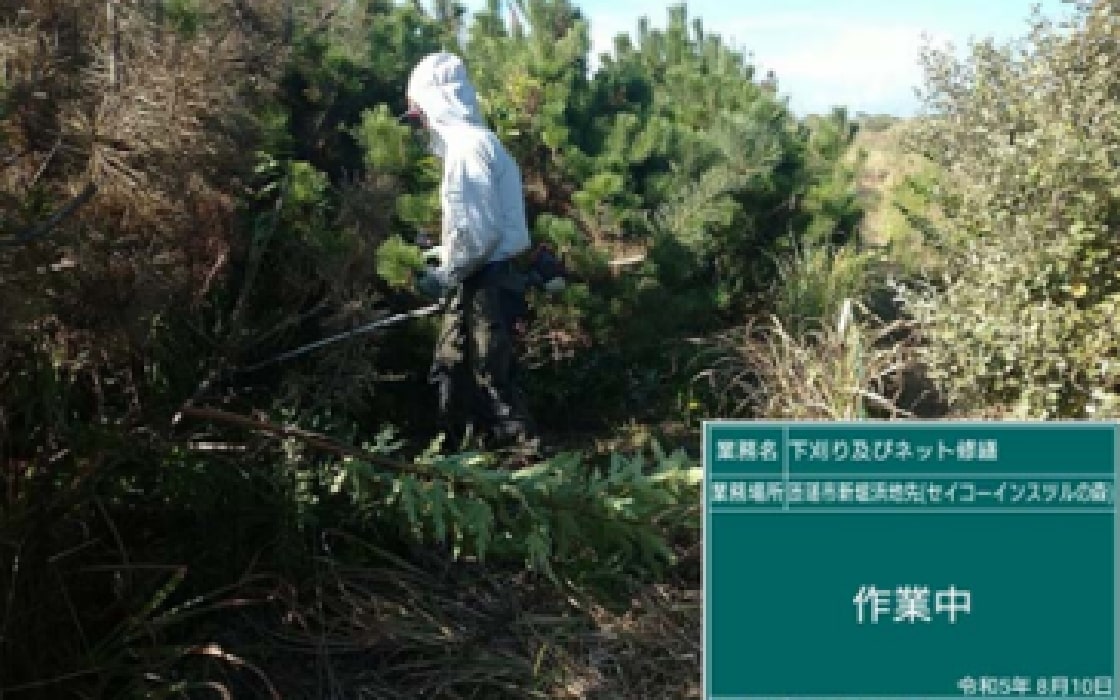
x=546, y=271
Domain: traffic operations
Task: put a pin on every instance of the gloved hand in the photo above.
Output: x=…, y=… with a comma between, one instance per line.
x=434, y=255
x=546, y=271
x=429, y=284
x=552, y=286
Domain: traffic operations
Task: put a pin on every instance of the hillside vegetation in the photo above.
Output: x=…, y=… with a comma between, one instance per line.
x=188, y=189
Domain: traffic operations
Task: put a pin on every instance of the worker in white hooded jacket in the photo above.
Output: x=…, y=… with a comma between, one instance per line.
x=483, y=228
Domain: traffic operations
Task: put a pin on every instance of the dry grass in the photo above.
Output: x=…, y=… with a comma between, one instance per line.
x=397, y=629
x=652, y=650
x=366, y=623
x=844, y=370
x=154, y=122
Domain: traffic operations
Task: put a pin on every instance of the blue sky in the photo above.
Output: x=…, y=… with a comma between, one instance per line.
x=858, y=53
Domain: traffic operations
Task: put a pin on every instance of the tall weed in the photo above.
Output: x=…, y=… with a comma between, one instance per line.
x=850, y=369
x=814, y=280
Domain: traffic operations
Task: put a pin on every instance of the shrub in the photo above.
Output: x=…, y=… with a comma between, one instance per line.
x=1024, y=314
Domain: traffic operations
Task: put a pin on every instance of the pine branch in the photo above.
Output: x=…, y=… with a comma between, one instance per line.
x=316, y=440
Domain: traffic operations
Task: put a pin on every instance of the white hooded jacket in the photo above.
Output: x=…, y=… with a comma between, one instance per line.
x=481, y=193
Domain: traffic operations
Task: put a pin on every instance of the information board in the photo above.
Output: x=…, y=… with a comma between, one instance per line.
x=909, y=560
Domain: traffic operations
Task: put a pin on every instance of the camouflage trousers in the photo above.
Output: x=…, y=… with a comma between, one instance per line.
x=475, y=364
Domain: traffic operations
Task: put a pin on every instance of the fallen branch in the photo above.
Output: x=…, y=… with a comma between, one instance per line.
x=627, y=261
x=218, y=368
x=316, y=440
x=215, y=651
x=28, y=235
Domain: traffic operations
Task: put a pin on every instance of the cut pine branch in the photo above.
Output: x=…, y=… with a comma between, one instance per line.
x=316, y=440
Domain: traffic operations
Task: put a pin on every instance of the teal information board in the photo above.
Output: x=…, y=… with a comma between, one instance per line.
x=910, y=560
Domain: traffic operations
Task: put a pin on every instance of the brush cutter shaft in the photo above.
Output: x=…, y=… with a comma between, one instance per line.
x=369, y=327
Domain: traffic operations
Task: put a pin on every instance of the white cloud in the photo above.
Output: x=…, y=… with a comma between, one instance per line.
x=868, y=68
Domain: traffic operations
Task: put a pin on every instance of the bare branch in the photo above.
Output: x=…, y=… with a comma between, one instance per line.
x=316, y=440
x=58, y=217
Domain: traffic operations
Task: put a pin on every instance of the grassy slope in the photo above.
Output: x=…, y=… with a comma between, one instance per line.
x=885, y=170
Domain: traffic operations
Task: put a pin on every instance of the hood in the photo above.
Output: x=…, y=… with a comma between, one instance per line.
x=439, y=84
